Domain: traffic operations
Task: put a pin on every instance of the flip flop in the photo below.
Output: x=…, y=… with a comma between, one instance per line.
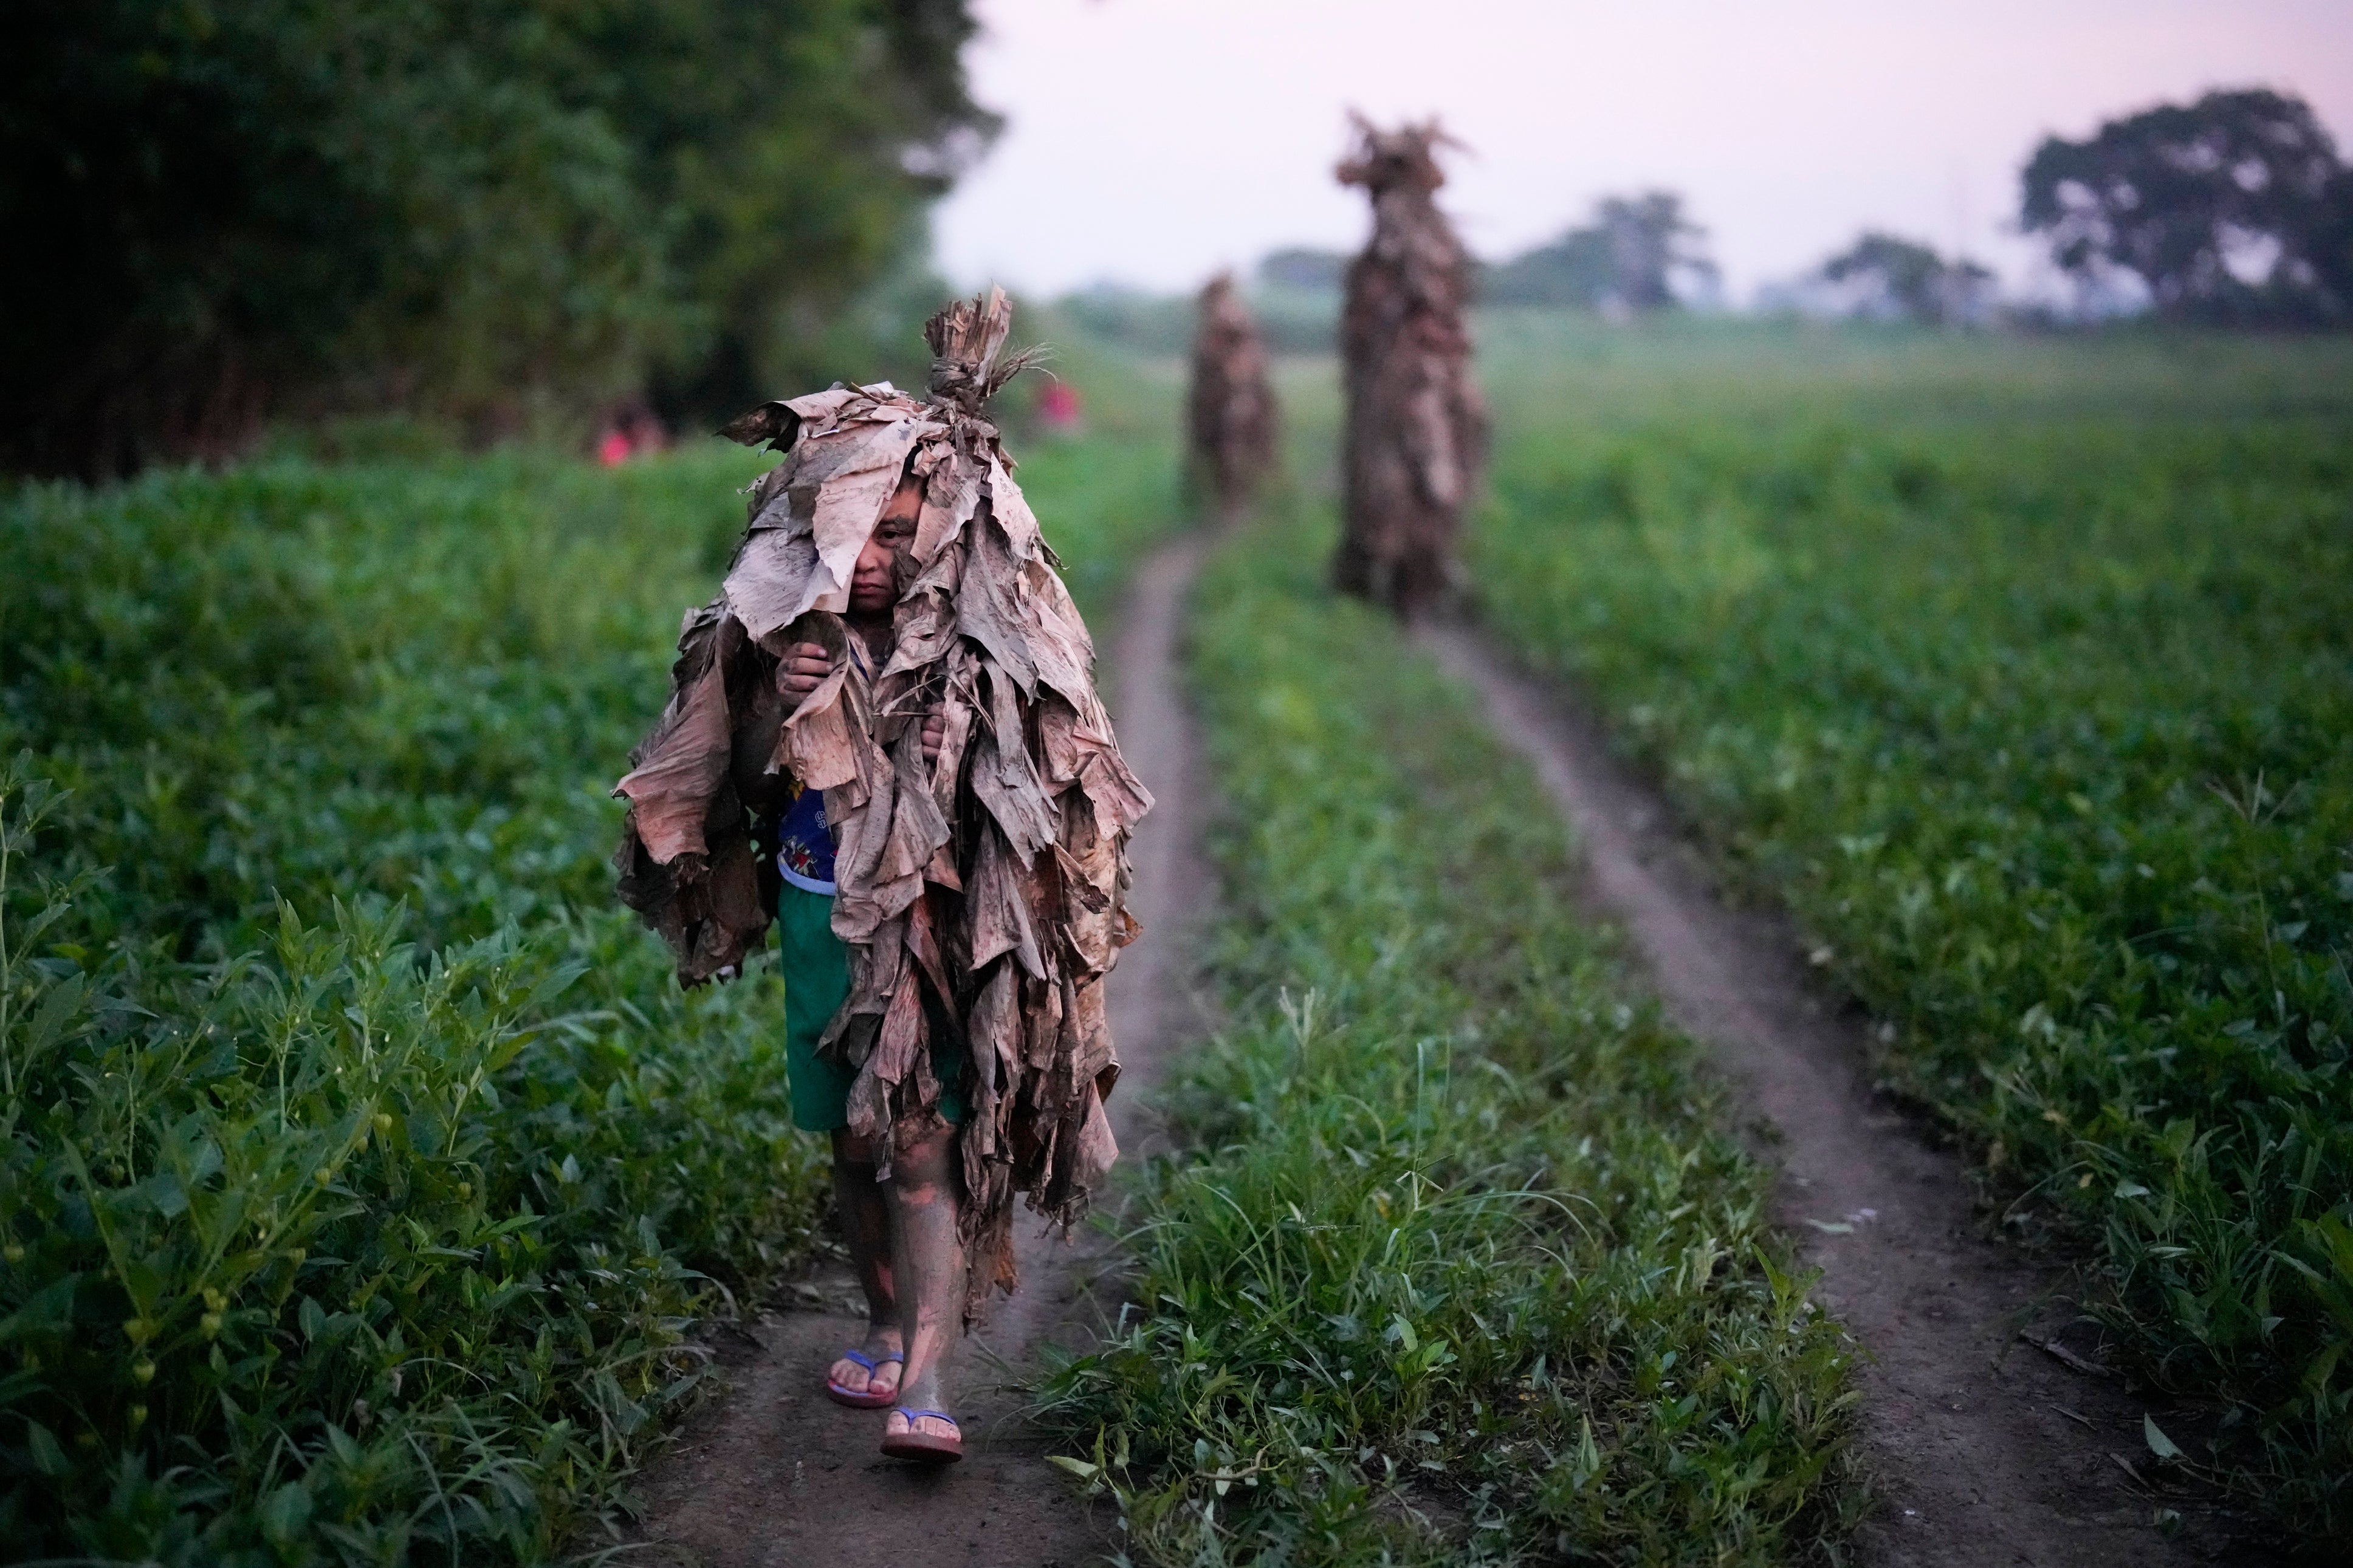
x=913, y=1444
x=863, y=1398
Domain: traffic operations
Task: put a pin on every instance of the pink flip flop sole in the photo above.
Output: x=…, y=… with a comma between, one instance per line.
x=921, y=1445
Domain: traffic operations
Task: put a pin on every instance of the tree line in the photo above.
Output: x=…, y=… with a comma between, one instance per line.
x=2234, y=210
x=499, y=214
x=510, y=214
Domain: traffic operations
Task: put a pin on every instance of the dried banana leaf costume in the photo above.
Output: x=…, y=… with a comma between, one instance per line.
x=983, y=895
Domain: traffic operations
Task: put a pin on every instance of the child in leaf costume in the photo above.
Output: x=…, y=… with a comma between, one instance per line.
x=893, y=640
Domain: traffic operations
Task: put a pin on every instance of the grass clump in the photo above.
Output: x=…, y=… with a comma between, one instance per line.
x=362, y=1167
x=1458, y=1266
x=2018, y=671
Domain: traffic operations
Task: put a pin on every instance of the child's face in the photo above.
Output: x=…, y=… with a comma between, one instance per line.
x=874, y=585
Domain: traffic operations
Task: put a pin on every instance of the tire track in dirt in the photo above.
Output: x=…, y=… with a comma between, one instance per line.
x=1981, y=1450
x=774, y=1474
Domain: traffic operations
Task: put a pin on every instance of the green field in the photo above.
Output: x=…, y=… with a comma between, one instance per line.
x=2019, y=671
x=361, y=1167
x=1458, y=1263
x=360, y=1222
x=364, y=1171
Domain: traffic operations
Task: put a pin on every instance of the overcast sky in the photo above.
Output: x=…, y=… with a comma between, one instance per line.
x=1153, y=141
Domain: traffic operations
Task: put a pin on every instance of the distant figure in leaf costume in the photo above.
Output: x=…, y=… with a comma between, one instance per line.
x=893, y=698
x=1230, y=422
x=1416, y=430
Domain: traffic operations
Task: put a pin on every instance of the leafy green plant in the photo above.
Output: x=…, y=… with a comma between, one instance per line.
x=331, y=1247
x=1457, y=1265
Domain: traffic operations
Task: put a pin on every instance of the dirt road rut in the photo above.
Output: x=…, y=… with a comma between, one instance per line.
x=1985, y=1451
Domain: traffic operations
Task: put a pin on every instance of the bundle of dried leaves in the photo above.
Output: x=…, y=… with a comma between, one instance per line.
x=982, y=894
x=1232, y=407
x=1416, y=430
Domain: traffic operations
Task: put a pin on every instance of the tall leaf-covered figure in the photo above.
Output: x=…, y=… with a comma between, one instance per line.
x=1231, y=424
x=1417, y=430
x=892, y=699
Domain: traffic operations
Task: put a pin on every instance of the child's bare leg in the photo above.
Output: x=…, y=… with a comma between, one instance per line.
x=866, y=1228
x=930, y=1274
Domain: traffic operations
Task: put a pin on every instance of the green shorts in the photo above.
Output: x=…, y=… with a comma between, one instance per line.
x=816, y=964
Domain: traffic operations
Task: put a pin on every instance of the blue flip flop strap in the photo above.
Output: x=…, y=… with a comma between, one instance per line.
x=860, y=1357
x=915, y=1416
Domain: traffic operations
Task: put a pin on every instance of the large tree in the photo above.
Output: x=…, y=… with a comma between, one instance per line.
x=2233, y=208
x=474, y=208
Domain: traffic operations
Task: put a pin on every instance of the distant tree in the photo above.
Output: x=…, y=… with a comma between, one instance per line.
x=2327, y=248
x=1575, y=269
x=1301, y=268
x=2233, y=208
x=472, y=209
x=1631, y=256
x=1652, y=244
x=1132, y=317
x=1889, y=278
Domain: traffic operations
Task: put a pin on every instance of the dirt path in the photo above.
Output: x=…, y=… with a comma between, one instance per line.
x=1984, y=1451
x=774, y=1475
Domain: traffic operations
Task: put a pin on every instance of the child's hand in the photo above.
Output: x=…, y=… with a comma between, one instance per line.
x=935, y=729
x=805, y=664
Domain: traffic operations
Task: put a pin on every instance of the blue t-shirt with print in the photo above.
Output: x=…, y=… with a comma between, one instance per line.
x=805, y=852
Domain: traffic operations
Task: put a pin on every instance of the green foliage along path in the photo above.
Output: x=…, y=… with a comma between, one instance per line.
x=2019, y=671
x=361, y=1165
x=1457, y=1265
